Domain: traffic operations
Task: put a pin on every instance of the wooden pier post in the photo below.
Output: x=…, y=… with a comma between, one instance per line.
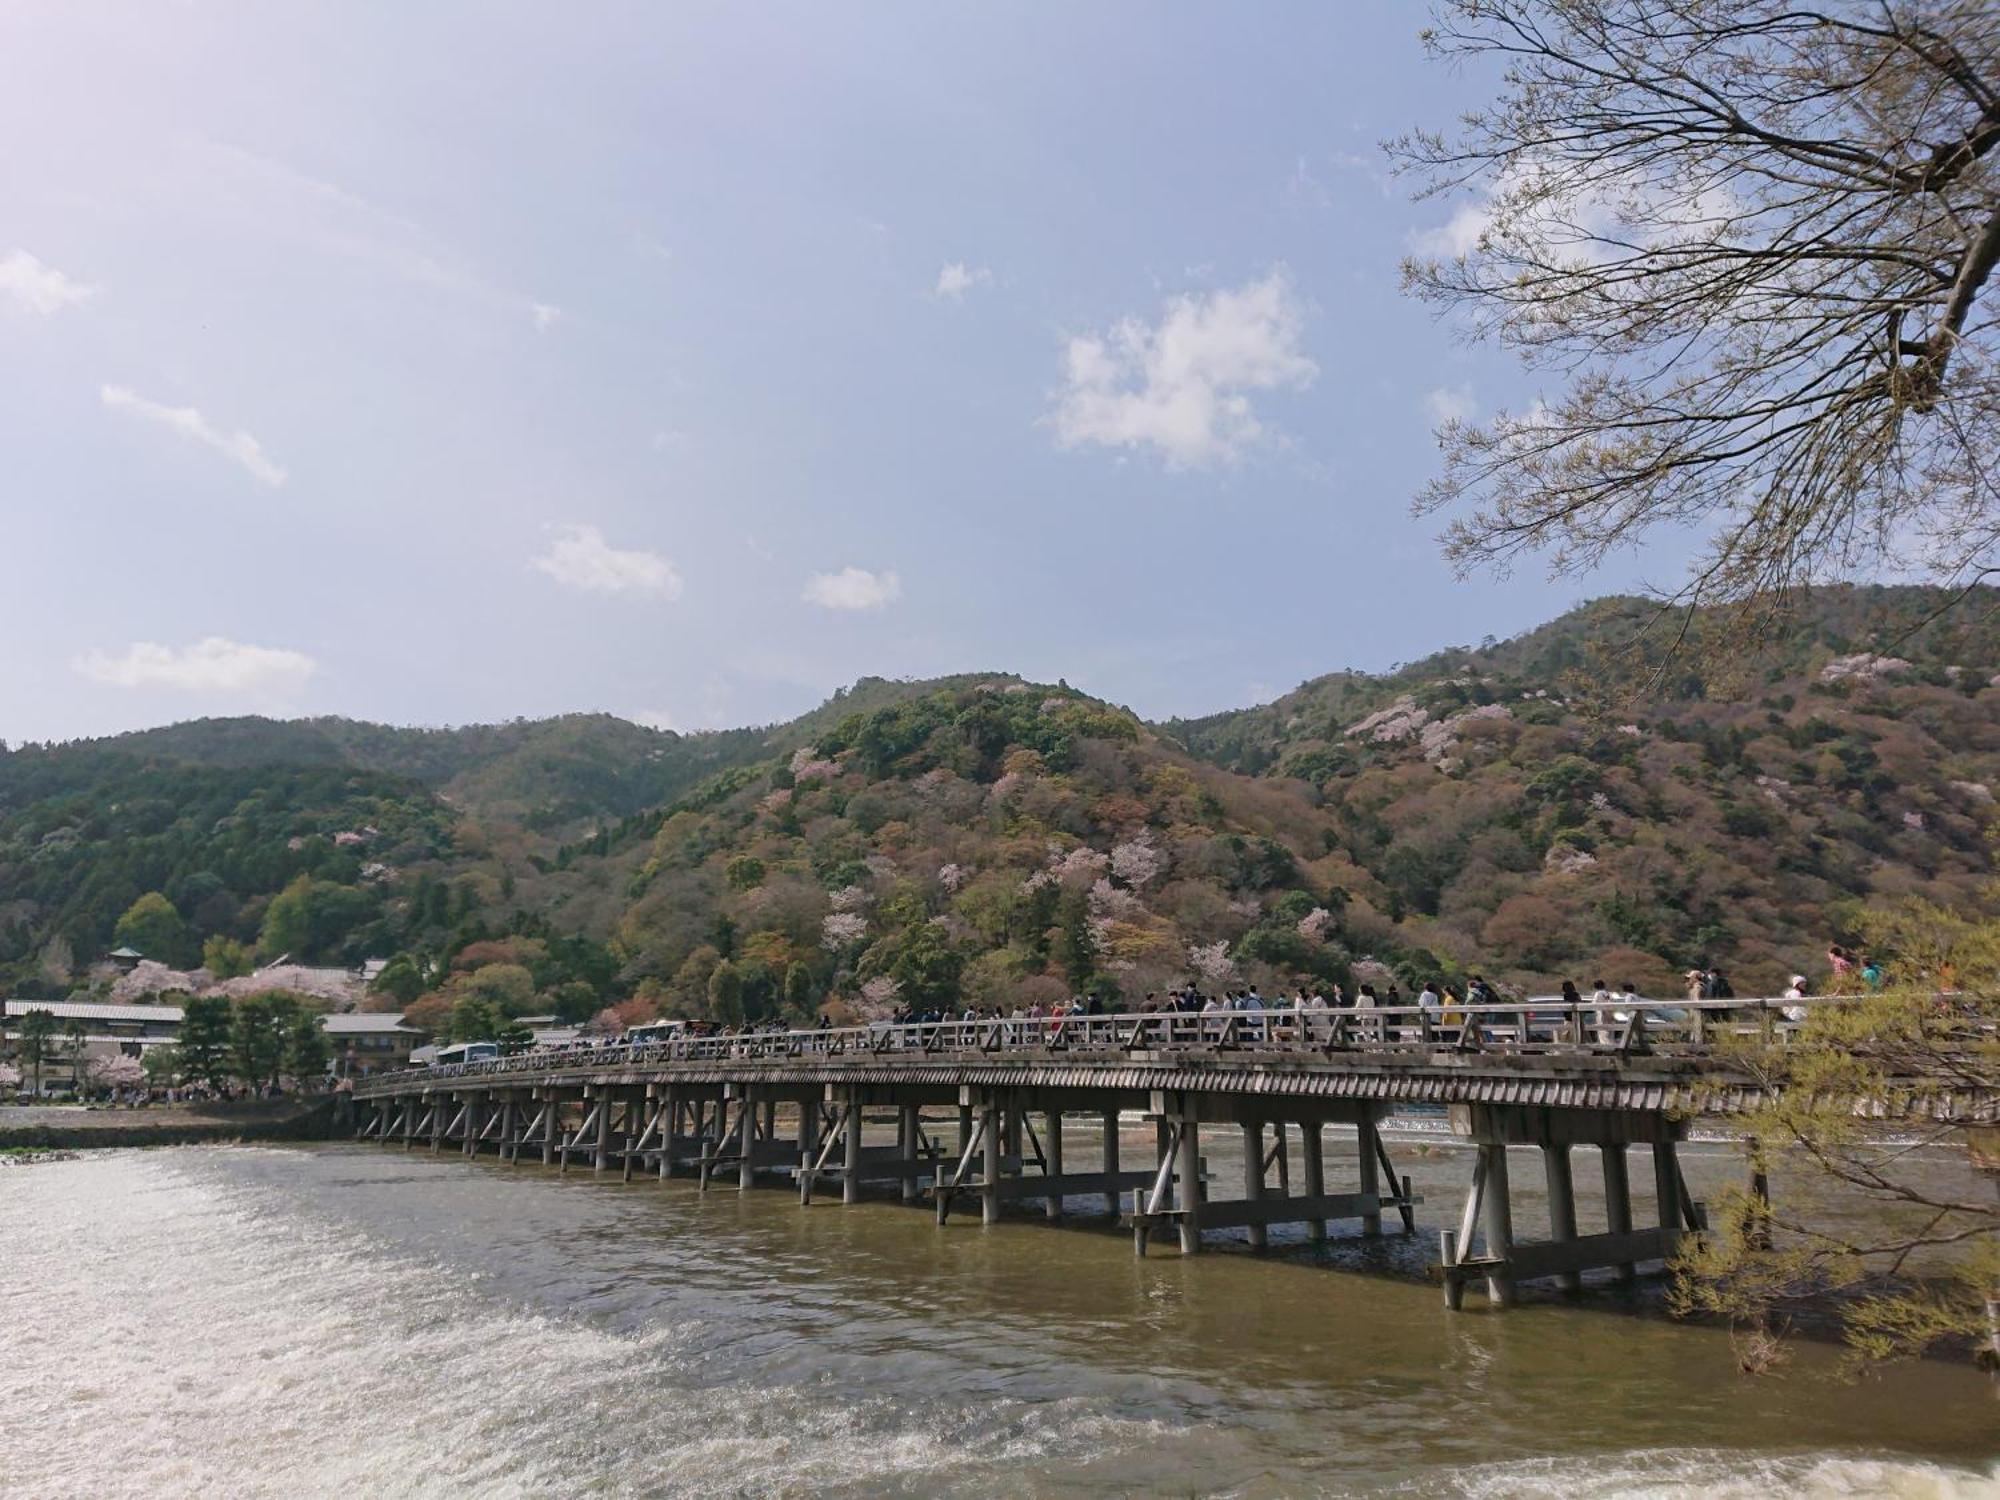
x=1367, y=1148
x=670, y=1129
x=989, y=1191
x=1253, y=1177
x=440, y=1117
x=551, y=1117
x=909, y=1132
x=754, y=1115
x=1499, y=1214
x=1667, y=1188
x=1052, y=1156
x=1312, y=1142
x=1111, y=1159
x=850, y=1176
x=1562, y=1207
x=1190, y=1186
x=1618, y=1202
x=808, y=1132
x=600, y=1156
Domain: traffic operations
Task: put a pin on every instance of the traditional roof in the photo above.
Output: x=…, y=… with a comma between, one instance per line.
x=367, y=1023
x=64, y=1010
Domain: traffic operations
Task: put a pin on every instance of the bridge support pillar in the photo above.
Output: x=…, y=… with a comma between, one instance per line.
x=551, y=1125
x=475, y=1121
x=600, y=1153
x=1111, y=1159
x=1253, y=1178
x=1052, y=1158
x=1562, y=1208
x=1368, y=1147
x=850, y=1176
x=1618, y=1202
x=440, y=1117
x=989, y=1190
x=1188, y=1170
x=909, y=1132
x=1499, y=1225
x=1313, y=1146
x=755, y=1121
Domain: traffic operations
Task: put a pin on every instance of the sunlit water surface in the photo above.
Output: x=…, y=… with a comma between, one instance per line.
x=354, y=1321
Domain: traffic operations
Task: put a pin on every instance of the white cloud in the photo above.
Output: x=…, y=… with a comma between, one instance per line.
x=214, y=667
x=1458, y=235
x=544, y=314
x=1183, y=386
x=853, y=588
x=1450, y=403
x=35, y=288
x=655, y=718
x=581, y=558
x=239, y=446
x=957, y=278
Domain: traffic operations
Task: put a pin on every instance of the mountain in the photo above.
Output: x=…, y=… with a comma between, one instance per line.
x=1576, y=802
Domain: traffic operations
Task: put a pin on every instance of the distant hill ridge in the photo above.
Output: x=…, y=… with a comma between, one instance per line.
x=1562, y=804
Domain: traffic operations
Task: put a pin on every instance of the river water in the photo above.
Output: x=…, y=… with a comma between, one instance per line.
x=356, y=1321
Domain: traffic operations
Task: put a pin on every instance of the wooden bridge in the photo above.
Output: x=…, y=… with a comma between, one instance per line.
x=953, y=1107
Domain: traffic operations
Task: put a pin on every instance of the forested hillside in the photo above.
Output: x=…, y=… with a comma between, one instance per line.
x=1552, y=806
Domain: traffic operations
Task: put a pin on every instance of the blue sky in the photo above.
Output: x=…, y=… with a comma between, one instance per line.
x=454, y=362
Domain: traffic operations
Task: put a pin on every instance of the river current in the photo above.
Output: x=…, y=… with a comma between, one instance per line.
x=356, y=1321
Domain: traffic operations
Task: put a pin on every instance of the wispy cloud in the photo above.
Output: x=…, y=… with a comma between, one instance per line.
x=958, y=278
x=1450, y=403
x=214, y=667
x=1183, y=386
x=580, y=558
x=273, y=197
x=853, y=588
x=239, y=446
x=29, y=286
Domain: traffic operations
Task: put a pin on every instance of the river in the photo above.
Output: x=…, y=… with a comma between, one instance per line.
x=356, y=1321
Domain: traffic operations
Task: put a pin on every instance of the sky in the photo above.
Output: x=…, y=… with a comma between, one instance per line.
x=465, y=361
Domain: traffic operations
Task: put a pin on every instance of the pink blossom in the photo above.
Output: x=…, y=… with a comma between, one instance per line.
x=1212, y=961
x=1137, y=861
x=878, y=998
x=952, y=876
x=1313, y=925
x=840, y=928
x=848, y=898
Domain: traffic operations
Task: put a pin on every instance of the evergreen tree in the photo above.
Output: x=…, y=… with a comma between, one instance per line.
x=204, y=1042
x=306, y=1050
x=153, y=926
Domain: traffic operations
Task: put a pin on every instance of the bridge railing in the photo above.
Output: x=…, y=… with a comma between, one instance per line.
x=1520, y=1028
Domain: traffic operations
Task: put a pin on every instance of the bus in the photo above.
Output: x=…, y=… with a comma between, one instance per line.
x=465, y=1052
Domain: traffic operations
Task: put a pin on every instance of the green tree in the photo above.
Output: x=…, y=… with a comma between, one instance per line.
x=927, y=965
x=305, y=1047
x=38, y=1031
x=153, y=925
x=257, y=1034
x=204, y=1041
x=1075, y=947
x=76, y=1050
x=225, y=958
x=402, y=979
x=162, y=1064
x=799, y=989
x=725, y=993
x=476, y=1018
x=287, y=925
x=1916, y=1062
x=509, y=988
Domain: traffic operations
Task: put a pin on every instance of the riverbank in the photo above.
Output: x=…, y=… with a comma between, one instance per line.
x=79, y=1127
